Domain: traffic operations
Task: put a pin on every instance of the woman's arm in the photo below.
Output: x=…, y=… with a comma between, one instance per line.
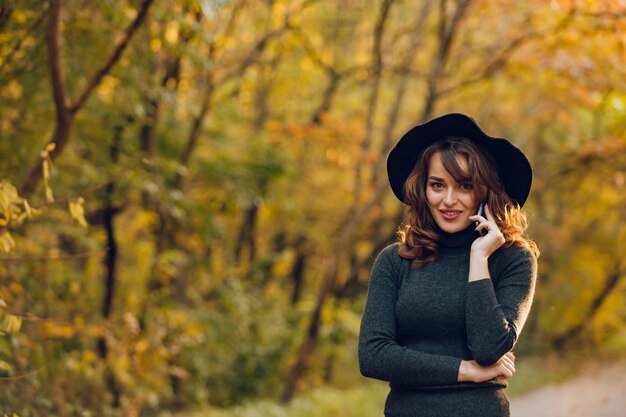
x=380, y=356
x=496, y=310
x=471, y=371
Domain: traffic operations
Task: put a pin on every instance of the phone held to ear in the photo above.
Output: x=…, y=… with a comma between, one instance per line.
x=481, y=212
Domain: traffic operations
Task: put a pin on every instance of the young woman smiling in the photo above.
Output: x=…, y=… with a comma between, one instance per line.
x=446, y=304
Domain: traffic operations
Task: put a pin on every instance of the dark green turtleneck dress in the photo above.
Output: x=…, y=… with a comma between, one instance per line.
x=419, y=323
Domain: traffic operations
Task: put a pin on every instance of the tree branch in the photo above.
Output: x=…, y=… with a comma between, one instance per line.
x=502, y=58
x=610, y=284
x=115, y=56
x=446, y=37
x=57, y=80
x=65, y=114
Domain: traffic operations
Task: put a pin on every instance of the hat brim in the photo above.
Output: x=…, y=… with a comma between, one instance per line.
x=513, y=167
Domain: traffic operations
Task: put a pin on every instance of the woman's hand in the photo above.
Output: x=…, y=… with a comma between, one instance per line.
x=486, y=245
x=471, y=371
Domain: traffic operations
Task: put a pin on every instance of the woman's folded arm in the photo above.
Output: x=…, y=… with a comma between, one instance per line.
x=497, y=308
x=380, y=356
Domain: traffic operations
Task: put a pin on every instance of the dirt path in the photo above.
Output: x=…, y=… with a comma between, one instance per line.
x=600, y=391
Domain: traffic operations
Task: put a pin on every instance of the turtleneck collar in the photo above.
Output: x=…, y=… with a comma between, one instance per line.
x=461, y=239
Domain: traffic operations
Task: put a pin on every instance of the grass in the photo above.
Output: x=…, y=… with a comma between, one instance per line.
x=363, y=400
x=367, y=398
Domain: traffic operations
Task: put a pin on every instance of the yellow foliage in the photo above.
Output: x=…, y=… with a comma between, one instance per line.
x=10, y=323
x=12, y=90
x=306, y=64
x=217, y=260
x=16, y=288
x=141, y=346
x=77, y=211
x=278, y=13
x=6, y=241
x=247, y=37
x=106, y=89
x=58, y=330
x=283, y=265
x=171, y=32
x=155, y=45
x=47, y=165
x=20, y=16
x=74, y=288
x=130, y=12
x=8, y=195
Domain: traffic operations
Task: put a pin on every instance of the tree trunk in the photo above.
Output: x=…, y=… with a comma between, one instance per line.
x=376, y=73
x=307, y=348
x=343, y=241
x=110, y=263
x=610, y=284
x=247, y=234
x=297, y=271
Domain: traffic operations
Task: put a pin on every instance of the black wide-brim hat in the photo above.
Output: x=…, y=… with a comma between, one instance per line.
x=513, y=167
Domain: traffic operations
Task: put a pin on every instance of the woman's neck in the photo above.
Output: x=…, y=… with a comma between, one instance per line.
x=460, y=239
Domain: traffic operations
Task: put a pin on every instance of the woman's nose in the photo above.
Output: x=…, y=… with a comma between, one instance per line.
x=450, y=197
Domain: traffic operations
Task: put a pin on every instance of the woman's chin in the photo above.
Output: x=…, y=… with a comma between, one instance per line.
x=452, y=227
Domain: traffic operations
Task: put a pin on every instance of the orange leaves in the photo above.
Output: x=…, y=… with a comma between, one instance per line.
x=329, y=131
x=601, y=150
x=58, y=330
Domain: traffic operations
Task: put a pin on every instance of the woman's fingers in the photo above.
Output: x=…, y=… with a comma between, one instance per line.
x=488, y=214
x=505, y=370
x=507, y=365
x=485, y=222
x=508, y=361
x=482, y=223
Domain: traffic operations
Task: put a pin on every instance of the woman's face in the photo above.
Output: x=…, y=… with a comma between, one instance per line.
x=450, y=203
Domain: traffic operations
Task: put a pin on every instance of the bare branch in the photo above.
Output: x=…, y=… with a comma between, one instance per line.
x=252, y=56
x=5, y=14
x=259, y=47
x=446, y=37
x=48, y=258
x=494, y=65
x=375, y=72
x=606, y=14
x=65, y=114
x=612, y=279
x=115, y=56
x=56, y=71
x=503, y=57
x=415, y=41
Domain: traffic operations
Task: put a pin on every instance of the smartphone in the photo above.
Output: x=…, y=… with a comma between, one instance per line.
x=481, y=212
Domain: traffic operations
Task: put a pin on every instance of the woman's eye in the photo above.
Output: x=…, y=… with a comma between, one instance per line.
x=437, y=185
x=467, y=187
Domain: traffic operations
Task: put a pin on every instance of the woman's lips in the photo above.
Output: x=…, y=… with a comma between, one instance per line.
x=450, y=214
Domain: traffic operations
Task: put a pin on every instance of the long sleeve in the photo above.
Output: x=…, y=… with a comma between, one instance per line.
x=497, y=308
x=380, y=356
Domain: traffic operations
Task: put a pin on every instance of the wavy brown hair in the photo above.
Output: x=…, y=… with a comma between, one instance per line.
x=419, y=239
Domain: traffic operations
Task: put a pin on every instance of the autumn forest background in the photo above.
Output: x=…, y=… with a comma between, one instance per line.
x=192, y=192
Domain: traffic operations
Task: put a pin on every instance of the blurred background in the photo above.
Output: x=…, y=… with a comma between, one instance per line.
x=192, y=192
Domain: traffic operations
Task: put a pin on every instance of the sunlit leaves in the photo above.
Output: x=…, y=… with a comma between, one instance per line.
x=77, y=211
x=47, y=168
x=13, y=211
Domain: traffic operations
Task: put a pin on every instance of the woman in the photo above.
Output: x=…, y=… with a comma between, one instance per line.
x=446, y=304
